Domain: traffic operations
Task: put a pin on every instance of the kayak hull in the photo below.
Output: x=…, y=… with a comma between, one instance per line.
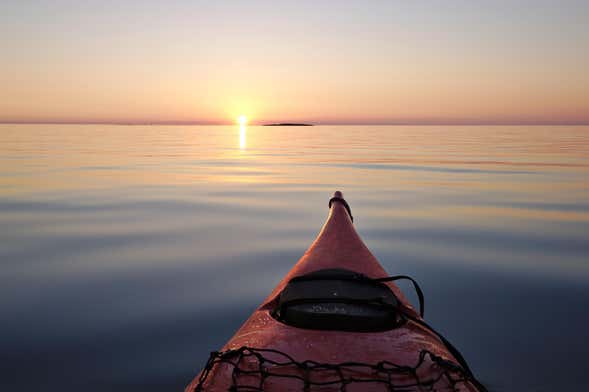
x=338, y=245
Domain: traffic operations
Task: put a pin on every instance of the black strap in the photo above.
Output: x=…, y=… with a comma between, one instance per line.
x=345, y=203
x=337, y=275
x=415, y=285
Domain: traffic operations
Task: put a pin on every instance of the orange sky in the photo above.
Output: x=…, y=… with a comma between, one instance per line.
x=303, y=61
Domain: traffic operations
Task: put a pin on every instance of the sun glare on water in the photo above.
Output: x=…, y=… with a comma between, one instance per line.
x=242, y=120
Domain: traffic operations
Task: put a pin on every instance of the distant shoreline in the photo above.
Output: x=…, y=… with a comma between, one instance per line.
x=288, y=125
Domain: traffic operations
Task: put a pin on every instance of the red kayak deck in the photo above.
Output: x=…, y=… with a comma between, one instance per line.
x=408, y=357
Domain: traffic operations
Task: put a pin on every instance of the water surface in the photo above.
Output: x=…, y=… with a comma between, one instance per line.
x=128, y=253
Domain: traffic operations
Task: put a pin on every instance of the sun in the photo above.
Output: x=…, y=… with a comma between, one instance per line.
x=242, y=120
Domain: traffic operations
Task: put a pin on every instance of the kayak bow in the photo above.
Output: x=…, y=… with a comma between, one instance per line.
x=334, y=324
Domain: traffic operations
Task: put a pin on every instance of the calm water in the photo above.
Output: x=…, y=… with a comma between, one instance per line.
x=128, y=253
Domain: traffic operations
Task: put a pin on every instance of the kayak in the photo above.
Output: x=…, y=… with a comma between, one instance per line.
x=337, y=322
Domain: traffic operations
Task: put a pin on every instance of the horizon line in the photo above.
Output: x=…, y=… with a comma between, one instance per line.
x=257, y=123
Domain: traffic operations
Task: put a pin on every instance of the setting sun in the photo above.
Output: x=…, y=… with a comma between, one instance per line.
x=242, y=120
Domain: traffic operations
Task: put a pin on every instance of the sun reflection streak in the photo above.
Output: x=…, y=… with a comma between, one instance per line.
x=242, y=136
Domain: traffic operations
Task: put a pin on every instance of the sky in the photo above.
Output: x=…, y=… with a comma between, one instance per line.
x=336, y=62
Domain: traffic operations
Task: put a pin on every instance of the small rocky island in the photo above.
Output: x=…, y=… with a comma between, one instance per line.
x=288, y=125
